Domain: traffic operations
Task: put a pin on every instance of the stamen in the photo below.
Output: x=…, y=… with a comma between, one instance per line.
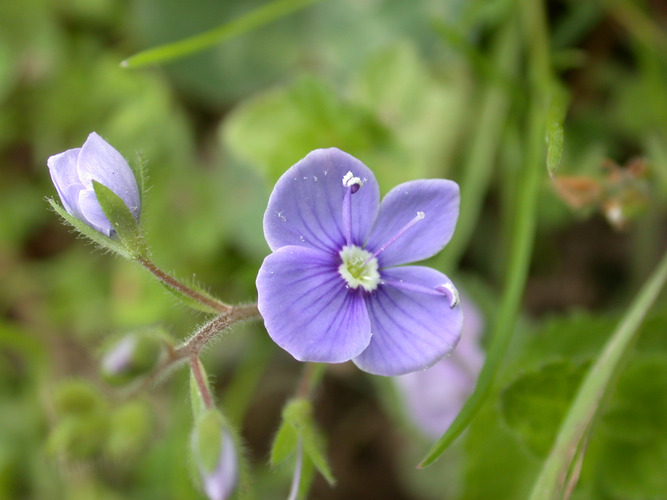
x=353, y=183
x=451, y=293
x=418, y=217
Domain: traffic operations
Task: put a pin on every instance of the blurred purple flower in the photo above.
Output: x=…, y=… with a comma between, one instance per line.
x=74, y=171
x=435, y=396
x=220, y=482
x=331, y=292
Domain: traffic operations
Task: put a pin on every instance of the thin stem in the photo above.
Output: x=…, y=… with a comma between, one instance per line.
x=194, y=345
x=195, y=366
x=523, y=231
x=254, y=19
x=553, y=478
x=172, y=282
x=310, y=377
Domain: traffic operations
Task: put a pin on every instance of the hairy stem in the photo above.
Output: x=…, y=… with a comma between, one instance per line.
x=193, y=346
x=173, y=283
x=195, y=366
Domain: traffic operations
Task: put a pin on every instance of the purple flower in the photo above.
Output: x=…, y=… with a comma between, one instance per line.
x=435, y=396
x=332, y=290
x=74, y=171
x=219, y=481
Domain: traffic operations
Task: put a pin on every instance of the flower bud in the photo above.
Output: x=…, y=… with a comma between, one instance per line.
x=74, y=171
x=131, y=356
x=76, y=397
x=435, y=396
x=78, y=437
x=131, y=426
x=214, y=456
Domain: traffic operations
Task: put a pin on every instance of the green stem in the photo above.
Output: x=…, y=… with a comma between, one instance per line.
x=556, y=470
x=193, y=346
x=202, y=384
x=310, y=377
x=521, y=243
x=210, y=302
x=265, y=14
x=479, y=165
x=205, y=334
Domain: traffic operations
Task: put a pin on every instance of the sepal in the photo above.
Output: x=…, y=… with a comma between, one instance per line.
x=214, y=455
x=121, y=218
x=100, y=239
x=298, y=426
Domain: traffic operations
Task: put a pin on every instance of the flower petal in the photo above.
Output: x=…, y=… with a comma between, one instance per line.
x=413, y=326
x=306, y=205
x=92, y=212
x=438, y=199
x=307, y=309
x=65, y=177
x=433, y=397
x=99, y=161
x=436, y=395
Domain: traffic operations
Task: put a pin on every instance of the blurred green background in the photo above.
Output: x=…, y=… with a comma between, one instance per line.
x=419, y=88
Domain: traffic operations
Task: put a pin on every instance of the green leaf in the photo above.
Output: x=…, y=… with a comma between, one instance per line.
x=634, y=428
x=534, y=404
x=87, y=231
x=423, y=114
x=298, y=415
x=254, y=19
x=275, y=129
x=121, y=219
x=558, y=469
x=284, y=443
x=314, y=445
x=555, y=134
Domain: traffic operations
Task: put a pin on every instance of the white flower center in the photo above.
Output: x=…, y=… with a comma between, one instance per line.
x=359, y=268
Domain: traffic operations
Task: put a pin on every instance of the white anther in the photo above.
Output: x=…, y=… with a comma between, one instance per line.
x=350, y=180
x=451, y=293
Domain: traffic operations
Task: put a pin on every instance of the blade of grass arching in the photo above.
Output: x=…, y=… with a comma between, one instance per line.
x=523, y=231
x=479, y=163
x=556, y=473
x=254, y=19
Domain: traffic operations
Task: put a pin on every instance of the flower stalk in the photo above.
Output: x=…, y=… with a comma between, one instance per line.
x=171, y=282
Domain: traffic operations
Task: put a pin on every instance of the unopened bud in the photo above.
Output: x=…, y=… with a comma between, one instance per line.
x=130, y=429
x=131, y=356
x=214, y=455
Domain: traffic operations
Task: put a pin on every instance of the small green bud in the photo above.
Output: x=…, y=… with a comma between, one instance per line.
x=78, y=437
x=76, y=397
x=214, y=455
x=130, y=429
